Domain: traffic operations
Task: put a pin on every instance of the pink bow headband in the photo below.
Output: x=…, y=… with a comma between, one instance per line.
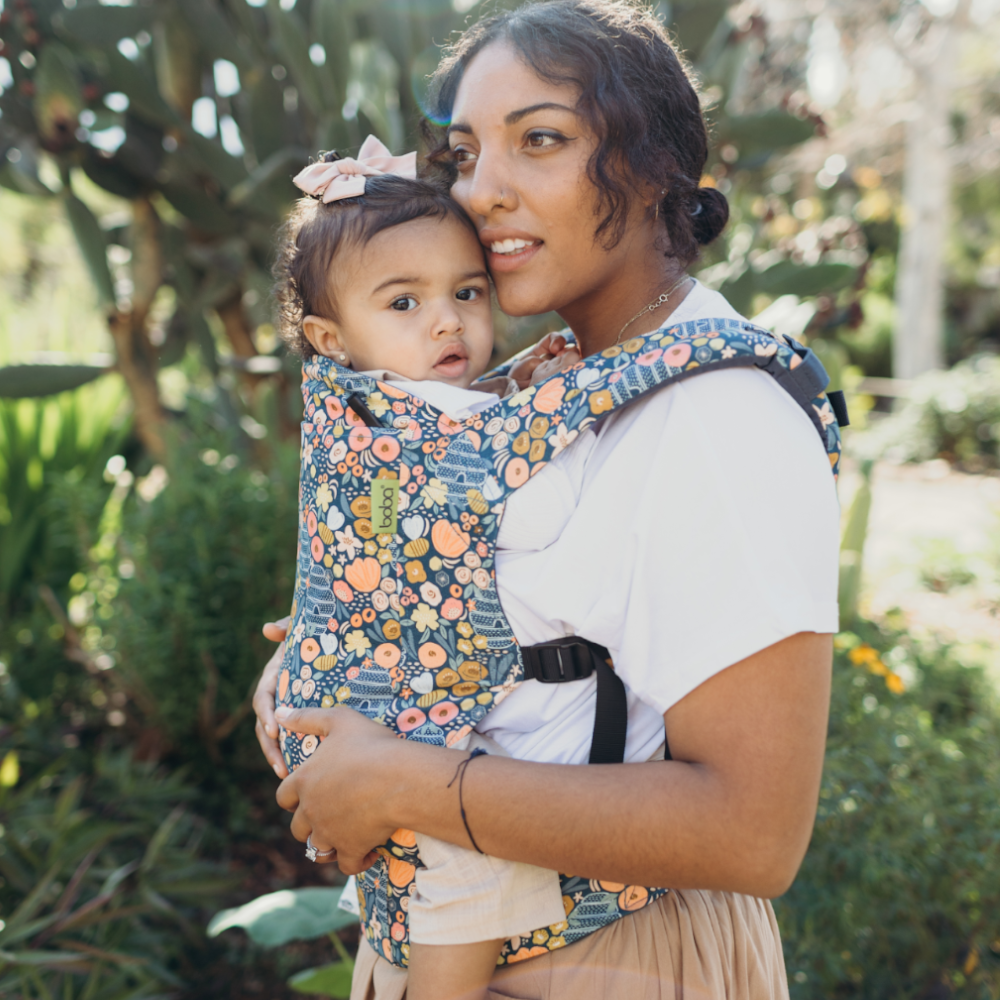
x=346, y=178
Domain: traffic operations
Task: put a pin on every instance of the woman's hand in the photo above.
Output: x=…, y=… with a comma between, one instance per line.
x=335, y=795
x=263, y=699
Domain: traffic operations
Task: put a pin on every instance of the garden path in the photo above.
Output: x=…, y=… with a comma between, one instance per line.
x=933, y=551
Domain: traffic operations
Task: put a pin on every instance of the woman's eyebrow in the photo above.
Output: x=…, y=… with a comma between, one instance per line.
x=513, y=117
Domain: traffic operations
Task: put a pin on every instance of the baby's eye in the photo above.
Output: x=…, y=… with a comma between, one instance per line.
x=468, y=294
x=404, y=303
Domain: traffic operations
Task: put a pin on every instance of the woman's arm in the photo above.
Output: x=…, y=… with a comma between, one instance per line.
x=734, y=810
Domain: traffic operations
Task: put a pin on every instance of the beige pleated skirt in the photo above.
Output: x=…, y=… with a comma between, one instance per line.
x=689, y=945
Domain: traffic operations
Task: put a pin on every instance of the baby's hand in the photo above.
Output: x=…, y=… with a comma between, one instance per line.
x=550, y=347
x=565, y=359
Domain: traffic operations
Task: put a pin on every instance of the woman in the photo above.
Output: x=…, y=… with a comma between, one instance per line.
x=694, y=534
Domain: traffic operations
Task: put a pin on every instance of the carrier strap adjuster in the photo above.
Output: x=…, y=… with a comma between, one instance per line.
x=561, y=660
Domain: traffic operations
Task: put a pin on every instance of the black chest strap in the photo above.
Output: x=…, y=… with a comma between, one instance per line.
x=573, y=658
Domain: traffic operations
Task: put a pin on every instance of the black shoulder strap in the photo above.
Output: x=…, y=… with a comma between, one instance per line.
x=573, y=658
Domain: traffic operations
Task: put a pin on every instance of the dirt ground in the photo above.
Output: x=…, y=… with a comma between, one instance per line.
x=933, y=551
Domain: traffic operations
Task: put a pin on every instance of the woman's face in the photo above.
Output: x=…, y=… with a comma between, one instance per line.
x=522, y=153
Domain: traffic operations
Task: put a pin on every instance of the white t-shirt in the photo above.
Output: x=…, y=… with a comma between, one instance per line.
x=693, y=528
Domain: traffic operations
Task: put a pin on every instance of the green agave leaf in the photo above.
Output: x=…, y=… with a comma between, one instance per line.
x=215, y=32
x=333, y=26
x=765, y=132
x=105, y=26
x=283, y=163
x=32, y=381
x=325, y=981
x=58, y=101
x=695, y=22
x=293, y=44
x=789, y=278
x=93, y=245
x=267, y=117
x=194, y=204
x=15, y=178
x=140, y=88
x=111, y=176
x=288, y=915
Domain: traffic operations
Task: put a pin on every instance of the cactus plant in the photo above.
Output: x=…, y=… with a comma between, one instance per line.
x=197, y=113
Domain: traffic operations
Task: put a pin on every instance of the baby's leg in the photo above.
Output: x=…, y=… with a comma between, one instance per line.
x=451, y=971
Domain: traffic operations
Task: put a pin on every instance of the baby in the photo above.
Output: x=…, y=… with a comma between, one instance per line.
x=385, y=274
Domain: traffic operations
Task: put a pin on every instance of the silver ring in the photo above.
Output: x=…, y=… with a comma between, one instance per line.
x=312, y=853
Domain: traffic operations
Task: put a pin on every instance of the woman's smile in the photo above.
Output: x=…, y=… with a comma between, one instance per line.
x=508, y=249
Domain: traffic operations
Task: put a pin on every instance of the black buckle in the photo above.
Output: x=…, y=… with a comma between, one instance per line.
x=561, y=660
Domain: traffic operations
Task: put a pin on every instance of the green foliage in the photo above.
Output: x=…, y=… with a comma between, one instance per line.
x=186, y=575
x=899, y=894
x=66, y=438
x=943, y=567
x=953, y=415
x=289, y=915
x=33, y=381
x=103, y=873
x=327, y=981
x=852, y=547
x=293, y=915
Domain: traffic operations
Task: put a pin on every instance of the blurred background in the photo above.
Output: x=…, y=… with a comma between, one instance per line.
x=148, y=463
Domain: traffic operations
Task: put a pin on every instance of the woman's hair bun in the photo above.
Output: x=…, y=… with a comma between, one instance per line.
x=711, y=213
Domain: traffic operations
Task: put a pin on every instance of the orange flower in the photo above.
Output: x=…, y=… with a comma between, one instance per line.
x=415, y=572
x=516, y=473
x=364, y=574
x=449, y=539
x=309, y=650
x=387, y=655
x=601, y=401
x=431, y=655
x=550, y=396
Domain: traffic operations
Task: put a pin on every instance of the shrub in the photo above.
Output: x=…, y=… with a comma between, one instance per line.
x=953, y=415
x=188, y=568
x=899, y=895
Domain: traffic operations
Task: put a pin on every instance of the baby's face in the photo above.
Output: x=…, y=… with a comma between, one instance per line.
x=416, y=300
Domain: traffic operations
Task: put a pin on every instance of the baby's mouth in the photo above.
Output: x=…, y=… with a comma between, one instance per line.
x=452, y=363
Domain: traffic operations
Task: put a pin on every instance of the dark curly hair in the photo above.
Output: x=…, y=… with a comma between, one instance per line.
x=635, y=93
x=315, y=233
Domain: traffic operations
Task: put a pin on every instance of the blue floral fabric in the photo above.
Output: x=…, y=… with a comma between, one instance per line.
x=407, y=627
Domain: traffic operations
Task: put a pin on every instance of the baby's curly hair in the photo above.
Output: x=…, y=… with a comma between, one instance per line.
x=315, y=233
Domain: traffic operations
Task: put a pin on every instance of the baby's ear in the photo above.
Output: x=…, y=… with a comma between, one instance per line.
x=323, y=335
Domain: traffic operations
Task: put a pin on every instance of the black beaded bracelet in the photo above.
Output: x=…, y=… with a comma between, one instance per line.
x=460, y=774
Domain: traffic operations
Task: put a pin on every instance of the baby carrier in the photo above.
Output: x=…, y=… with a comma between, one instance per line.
x=396, y=611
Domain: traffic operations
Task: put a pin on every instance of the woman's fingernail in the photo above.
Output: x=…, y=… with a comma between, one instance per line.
x=277, y=770
x=282, y=713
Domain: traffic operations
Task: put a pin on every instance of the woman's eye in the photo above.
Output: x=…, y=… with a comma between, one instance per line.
x=468, y=294
x=539, y=140
x=404, y=303
x=460, y=155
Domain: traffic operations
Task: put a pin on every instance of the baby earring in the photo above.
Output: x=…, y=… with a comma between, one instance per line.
x=342, y=358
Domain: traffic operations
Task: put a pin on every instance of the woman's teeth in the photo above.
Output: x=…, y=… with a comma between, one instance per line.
x=511, y=246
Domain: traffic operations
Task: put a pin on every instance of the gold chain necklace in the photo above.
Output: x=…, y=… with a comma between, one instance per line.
x=655, y=304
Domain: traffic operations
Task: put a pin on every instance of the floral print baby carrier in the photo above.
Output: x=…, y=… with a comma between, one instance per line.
x=396, y=611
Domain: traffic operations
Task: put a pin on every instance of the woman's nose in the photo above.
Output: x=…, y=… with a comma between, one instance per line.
x=486, y=191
